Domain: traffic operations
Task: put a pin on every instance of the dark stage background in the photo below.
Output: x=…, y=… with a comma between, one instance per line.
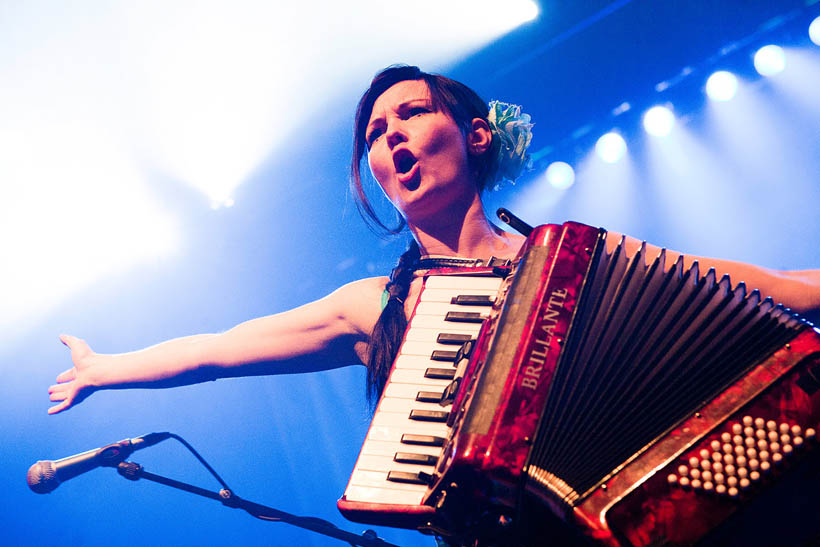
x=114, y=116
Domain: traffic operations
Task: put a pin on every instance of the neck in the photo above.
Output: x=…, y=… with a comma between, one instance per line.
x=465, y=233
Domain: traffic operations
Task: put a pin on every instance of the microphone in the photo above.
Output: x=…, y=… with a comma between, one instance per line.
x=45, y=476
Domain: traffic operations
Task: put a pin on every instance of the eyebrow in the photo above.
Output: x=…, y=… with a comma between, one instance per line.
x=399, y=108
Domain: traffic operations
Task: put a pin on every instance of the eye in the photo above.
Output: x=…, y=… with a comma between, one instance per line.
x=417, y=110
x=373, y=136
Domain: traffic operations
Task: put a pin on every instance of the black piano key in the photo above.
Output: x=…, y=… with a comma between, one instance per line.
x=419, y=477
x=464, y=317
x=429, y=415
x=442, y=355
x=453, y=338
x=440, y=373
x=473, y=300
x=409, y=457
x=429, y=396
x=422, y=440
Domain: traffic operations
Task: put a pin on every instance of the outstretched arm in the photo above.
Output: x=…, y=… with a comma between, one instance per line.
x=798, y=290
x=327, y=333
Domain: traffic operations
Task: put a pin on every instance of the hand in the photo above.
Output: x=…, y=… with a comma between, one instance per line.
x=73, y=385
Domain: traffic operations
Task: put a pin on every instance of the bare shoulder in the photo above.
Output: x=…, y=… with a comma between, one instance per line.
x=359, y=302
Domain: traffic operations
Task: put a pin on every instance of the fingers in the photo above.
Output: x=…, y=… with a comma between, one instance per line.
x=67, y=375
x=56, y=409
x=73, y=343
x=60, y=394
x=66, y=392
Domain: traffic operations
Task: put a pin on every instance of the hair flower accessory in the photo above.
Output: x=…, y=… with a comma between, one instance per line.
x=514, y=132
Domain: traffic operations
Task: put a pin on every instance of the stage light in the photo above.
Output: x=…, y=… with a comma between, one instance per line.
x=721, y=86
x=529, y=11
x=814, y=31
x=658, y=121
x=770, y=60
x=610, y=147
x=560, y=175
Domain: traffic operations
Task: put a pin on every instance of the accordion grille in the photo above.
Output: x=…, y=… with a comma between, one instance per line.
x=646, y=347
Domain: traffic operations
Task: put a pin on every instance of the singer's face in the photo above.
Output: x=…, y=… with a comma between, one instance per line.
x=417, y=153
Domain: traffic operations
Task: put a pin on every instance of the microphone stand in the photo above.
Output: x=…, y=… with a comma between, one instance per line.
x=134, y=471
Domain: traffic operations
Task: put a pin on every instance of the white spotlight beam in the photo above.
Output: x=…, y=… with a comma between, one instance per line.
x=721, y=86
x=611, y=147
x=201, y=95
x=659, y=121
x=770, y=60
x=814, y=31
x=560, y=175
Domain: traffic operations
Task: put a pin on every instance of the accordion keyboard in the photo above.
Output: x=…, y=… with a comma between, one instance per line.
x=409, y=426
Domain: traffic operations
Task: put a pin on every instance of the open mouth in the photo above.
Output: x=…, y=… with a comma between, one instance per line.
x=404, y=160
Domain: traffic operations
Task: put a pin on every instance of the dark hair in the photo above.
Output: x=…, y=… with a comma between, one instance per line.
x=389, y=330
x=463, y=105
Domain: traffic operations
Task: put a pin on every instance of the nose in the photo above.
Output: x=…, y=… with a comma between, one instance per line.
x=395, y=134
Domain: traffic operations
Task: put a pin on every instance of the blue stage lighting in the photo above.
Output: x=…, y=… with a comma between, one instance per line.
x=770, y=60
x=721, y=86
x=560, y=175
x=658, y=121
x=814, y=31
x=610, y=147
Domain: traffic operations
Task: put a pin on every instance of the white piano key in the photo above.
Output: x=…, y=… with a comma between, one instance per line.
x=375, y=494
x=420, y=362
x=406, y=391
x=386, y=433
x=430, y=336
x=438, y=323
x=415, y=376
x=369, y=462
x=412, y=347
x=420, y=334
x=406, y=405
x=446, y=295
x=463, y=283
x=362, y=477
x=441, y=309
x=404, y=424
x=389, y=448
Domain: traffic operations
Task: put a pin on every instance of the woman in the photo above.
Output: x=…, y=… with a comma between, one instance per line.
x=432, y=149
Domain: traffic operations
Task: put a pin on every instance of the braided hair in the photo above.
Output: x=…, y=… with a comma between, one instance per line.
x=463, y=105
x=389, y=329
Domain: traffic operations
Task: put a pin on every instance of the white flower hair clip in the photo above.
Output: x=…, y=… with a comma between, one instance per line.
x=514, y=132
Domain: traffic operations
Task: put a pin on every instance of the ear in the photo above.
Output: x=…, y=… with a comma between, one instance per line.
x=480, y=137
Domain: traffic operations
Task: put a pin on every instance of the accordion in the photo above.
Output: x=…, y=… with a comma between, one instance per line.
x=630, y=401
